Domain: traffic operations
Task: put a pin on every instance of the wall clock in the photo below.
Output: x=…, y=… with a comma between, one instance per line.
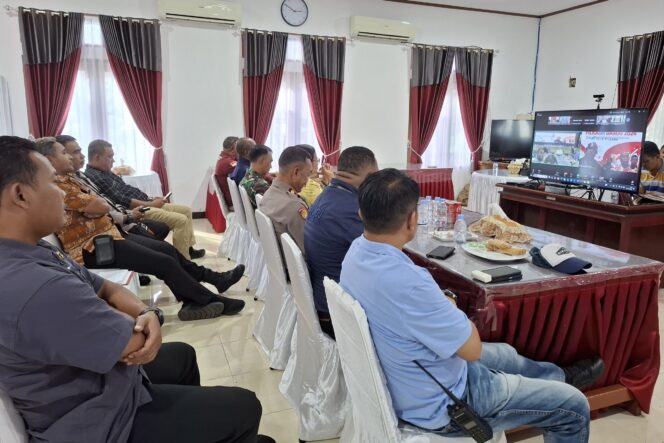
x=294, y=12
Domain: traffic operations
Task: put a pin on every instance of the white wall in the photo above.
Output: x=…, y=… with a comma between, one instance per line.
x=202, y=79
x=583, y=44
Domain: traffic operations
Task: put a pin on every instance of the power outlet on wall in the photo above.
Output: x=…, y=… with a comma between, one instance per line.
x=572, y=82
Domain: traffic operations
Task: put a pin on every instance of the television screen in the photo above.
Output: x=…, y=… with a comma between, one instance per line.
x=600, y=148
x=510, y=139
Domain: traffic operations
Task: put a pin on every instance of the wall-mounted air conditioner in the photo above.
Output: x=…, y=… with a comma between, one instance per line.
x=382, y=29
x=210, y=11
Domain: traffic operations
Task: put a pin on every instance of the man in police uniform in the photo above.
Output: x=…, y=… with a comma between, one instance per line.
x=225, y=166
x=254, y=182
x=281, y=203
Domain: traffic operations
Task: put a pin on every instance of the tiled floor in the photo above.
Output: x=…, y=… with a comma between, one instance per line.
x=228, y=355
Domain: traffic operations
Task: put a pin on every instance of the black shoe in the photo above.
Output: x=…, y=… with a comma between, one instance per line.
x=584, y=373
x=144, y=280
x=224, y=280
x=196, y=253
x=265, y=439
x=190, y=311
x=231, y=305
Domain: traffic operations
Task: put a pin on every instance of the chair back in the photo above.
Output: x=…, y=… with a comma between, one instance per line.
x=268, y=240
x=372, y=411
x=301, y=284
x=225, y=210
x=249, y=214
x=259, y=197
x=12, y=428
x=238, y=207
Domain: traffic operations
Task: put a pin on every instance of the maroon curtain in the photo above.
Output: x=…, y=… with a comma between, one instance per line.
x=473, y=75
x=430, y=73
x=264, y=55
x=641, y=72
x=51, y=54
x=324, y=59
x=134, y=52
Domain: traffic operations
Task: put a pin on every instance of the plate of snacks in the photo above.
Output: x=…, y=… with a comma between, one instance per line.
x=495, y=250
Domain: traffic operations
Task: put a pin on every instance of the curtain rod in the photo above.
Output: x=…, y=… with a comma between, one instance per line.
x=426, y=45
x=332, y=37
x=636, y=37
x=14, y=10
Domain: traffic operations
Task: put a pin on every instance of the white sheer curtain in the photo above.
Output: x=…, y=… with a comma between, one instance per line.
x=655, y=132
x=98, y=110
x=292, y=123
x=448, y=147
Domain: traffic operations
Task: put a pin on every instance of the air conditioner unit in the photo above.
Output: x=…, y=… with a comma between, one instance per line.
x=210, y=11
x=381, y=29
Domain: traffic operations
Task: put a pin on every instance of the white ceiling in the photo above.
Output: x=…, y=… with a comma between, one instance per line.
x=533, y=7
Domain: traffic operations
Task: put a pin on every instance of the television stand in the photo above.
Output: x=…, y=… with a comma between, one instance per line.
x=633, y=229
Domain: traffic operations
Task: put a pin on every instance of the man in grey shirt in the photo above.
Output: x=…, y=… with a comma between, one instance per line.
x=73, y=345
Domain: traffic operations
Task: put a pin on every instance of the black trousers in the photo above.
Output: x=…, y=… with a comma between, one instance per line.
x=155, y=257
x=183, y=411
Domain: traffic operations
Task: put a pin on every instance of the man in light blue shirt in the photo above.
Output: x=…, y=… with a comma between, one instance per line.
x=411, y=320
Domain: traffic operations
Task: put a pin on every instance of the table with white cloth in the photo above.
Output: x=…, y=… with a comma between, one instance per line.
x=148, y=182
x=483, y=190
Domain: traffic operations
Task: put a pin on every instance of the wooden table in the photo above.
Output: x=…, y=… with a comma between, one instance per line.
x=638, y=229
x=548, y=316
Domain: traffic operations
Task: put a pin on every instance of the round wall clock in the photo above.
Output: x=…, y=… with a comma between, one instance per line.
x=294, y=12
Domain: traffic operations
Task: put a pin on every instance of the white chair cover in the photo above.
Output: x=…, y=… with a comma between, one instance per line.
x=259, y=197
x=12, y=428
x=241, y=222
x=372, y=417
x=257, y=270
x=229, y=244
x=313, y=380
x=276, y=323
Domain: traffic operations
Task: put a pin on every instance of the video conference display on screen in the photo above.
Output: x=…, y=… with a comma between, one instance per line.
x=599, y=148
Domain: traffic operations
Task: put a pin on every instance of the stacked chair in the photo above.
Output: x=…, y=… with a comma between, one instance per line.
x=372, y=417
x=313, y=380
x=276, y=323
x=256, y=260
x=230, y=244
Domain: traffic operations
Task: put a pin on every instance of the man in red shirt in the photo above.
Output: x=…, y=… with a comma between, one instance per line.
x=225, y=165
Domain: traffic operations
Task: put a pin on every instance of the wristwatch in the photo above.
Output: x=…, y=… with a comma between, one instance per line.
x=450, y=294
x=158, y=312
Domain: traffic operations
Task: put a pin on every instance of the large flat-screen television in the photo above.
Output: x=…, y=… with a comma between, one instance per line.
x=510, y=139
x=599, y=148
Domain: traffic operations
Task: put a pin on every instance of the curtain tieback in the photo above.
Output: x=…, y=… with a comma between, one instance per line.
x=416, y=153
x=325, y=156
x=159, y=148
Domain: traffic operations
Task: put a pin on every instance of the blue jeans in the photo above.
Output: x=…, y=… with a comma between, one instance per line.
x=510, y=391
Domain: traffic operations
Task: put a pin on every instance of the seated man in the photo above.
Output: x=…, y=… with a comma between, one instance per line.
x=243, y=147
x=177, y=217
x=87, y=218
x=318, y=179
x=281, y=203
x=333, y=223
x=72, y=344
x=412, y=321
x=225, y=166
x=254, y=180
x=652, y=174
x=131, y=221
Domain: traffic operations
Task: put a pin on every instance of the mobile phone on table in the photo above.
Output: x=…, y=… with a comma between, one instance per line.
x=167, y=196
x=497, y=275
x=441, y=252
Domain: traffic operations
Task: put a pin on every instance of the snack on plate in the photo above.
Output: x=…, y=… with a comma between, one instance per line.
x=501, y=228
x=503, y=247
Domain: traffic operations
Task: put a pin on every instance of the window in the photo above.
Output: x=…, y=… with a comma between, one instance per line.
x=292, y=123
x=98, y=110
x=655, y=132
x=448, y=147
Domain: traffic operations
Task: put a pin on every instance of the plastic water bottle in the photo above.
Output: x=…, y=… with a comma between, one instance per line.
x=495, y=168
x=422, y=212
x=442, y=214
x=460, y=230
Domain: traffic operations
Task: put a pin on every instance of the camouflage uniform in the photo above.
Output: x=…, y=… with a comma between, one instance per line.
x=254, y=183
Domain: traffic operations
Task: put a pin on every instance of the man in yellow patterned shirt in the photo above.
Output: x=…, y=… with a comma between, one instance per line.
x=87, y=218
x=316, y=183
